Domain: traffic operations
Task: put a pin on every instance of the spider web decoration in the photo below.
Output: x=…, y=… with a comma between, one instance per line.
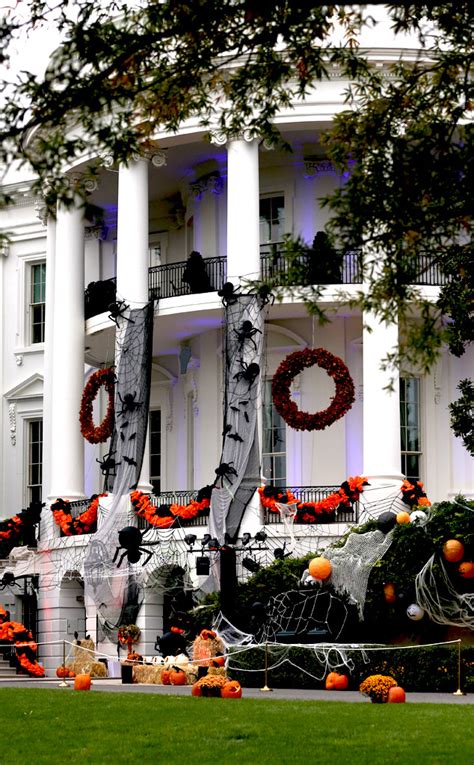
x=352, y=563
x=115, y=590
x=240, y=444
x=303, y=616
x=437, y=596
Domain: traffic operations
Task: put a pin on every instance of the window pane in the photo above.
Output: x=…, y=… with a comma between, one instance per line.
x=35, y=460
x=155, y=450
x=410, y=428
x=274, y=440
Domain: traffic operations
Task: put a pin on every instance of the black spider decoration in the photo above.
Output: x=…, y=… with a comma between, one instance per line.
x=247, y=332
x=224, y=470
x=8, y=580
x=228, y=294
x=108, y=464
x=249, y=372
x=130, y=540
x=117, y=310
x=128, y=403
x=266, y=295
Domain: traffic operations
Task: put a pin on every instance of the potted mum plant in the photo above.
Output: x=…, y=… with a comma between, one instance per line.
x=376, y=687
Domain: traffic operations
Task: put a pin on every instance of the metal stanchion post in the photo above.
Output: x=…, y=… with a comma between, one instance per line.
x=265, y=688
x=63, y=683
x=459, y=692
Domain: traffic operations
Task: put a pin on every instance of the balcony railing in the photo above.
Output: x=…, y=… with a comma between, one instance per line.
x=315, y=494
x=178, y=498
x=346, y=268
x=167, y=281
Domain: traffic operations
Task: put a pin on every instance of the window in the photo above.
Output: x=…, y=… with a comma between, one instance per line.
x=155, y=450
x=272, y=219
x=37, y=302
x=274, y=440
x=35, y=460
x=410, y=427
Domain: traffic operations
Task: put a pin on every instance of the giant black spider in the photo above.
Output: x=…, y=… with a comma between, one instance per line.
x=247, y=332
x=224, y=470
x=8, y=580
x=130, y=539
x=108, y=464
x=266, y=295
x=117, y=310
x=249, y=372
x=128, y=402
x=228, y=294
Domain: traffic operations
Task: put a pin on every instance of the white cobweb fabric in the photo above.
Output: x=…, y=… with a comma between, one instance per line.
x=436, y=595
x=287, y=515
x=352, y=563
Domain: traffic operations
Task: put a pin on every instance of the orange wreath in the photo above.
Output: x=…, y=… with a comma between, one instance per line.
x=100, y=433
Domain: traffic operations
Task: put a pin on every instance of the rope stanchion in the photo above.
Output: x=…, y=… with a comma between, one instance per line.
x=63, y=683
x=459, y=691
x=265, y=688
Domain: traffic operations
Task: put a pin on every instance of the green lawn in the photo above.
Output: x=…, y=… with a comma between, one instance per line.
x=52, y=726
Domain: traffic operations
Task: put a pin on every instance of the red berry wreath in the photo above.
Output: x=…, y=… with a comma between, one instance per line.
x=292, y=366
x=99, y=434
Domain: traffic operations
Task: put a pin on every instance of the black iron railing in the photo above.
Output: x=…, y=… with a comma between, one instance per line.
x=301, y=270
x=178, y=498
x=167, y=281
x=315, y=494
x=76, y=508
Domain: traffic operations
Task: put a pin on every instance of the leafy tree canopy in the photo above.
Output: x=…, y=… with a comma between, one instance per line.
x=126, y=70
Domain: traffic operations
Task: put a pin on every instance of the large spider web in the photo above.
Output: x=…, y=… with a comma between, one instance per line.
x=437, y=596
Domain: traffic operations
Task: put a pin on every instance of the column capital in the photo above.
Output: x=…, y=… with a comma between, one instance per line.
x=212, y=183
x=314, y=166
x=221, y=137
x=81, y=181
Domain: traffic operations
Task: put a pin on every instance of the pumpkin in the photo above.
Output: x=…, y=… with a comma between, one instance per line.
x=396, y=695
x=72, y=674
x=320, y=568
x=331, y=681
x=196, y=690
x=62, y=671
x=177, y=676
x=82, y=683
x=466, y=570
x=341, y=682
x=453, y=550
x=389, y=593
x=403, y=517
x=218, y=661
x=165, y=677
x=231, y=690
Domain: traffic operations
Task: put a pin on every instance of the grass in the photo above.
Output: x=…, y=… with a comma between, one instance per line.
x=71, y=728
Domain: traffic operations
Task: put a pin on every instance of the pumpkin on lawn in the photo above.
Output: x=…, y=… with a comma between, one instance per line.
x=396, y=695
x=62, y=671
x=165, y=677
x=177, y=676
x=231, y=690
x=82, y=683
x=336, y=682
x=196, y=690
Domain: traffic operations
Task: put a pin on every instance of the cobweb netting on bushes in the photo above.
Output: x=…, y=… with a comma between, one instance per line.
x=436, y=595
x=243, y=360
x=115, y=591
x=352, y=563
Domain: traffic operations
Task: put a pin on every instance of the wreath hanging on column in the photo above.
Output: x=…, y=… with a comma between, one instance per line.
x=100, y=433
x=291, y=366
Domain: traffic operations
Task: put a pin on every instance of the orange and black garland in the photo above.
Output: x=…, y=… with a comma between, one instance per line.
x=163, y=516
x=16, y=633
x=314, y=512
x=290, y=367
x=414, y=495
x=100, y=433
x=85, y=523
x=18, y=528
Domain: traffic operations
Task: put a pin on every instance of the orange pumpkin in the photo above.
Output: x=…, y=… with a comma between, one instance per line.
x=62, y=671
x=320, y=568
x=389, y=592
x=196, y=690
x=165, y=677
x=231, y=690
x=453, y=550
x=403, y=517
x=341, y=682
x=218, y=661
x=396, y=695
x=82, y=683
x=177, y=676
x=331, y=681
x=466, y=569
x=72, y=674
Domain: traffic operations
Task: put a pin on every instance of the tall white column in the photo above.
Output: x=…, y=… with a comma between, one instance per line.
x=67, y=364
x=47, y=519
x=381, y=414
x=243, y=210
x=132, y=233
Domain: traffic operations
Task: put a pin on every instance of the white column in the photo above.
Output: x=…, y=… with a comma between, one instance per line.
x=67, y=365
x=243, y=210
x=47, y=519
x=132, y=233
x=381, y=417
x=144, y=480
